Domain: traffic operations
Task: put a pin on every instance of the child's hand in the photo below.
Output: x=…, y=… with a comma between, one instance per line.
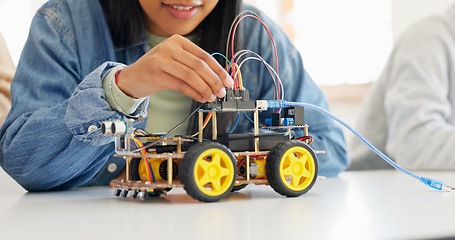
x=176, y=64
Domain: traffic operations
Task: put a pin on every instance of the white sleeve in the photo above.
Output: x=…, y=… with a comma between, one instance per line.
x=118, y=100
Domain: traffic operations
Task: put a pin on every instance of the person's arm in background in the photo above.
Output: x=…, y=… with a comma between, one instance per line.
x=7, y=70
x=420, y=97
x=299, y=87
x=7, y=67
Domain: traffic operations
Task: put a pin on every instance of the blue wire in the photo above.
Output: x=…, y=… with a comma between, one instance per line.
x=436, y=184
x=151, y=170
x=220, y=54
x=375, y=150
x=236, y=123
x=249, y=119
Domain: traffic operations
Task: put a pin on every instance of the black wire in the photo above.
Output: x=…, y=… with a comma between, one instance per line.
x=250, y=136
x=168, y=133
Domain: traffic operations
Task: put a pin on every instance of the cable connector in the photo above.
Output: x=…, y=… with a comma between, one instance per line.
x=276, y=103
x=438, y=185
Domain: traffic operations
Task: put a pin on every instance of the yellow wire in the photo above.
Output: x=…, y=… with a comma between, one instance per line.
x=207, y=119
x=143, y=151
x=140, y=144
x=239, y=74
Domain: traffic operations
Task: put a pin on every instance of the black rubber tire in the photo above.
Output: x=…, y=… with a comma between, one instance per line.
x=238, y=187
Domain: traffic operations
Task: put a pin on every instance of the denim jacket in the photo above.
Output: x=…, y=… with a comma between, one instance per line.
x=52, y=138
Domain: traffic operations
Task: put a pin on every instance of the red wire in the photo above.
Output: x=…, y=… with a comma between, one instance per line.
x=149, y=172
x=309, y=138
x=273, y=45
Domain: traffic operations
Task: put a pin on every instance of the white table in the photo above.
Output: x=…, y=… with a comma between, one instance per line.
x=356, y=205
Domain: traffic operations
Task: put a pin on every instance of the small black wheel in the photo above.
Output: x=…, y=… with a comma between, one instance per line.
x=239, y=187
x=208, y=171
x=134, y=169
x=291, y=168
x=158, y=192
x=117, y=192
x=154, y=193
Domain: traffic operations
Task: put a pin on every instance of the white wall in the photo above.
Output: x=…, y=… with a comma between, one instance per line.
x=270, y=7
x=15, y=17
x=352, y=38
x=404, y=12
x=348, y=42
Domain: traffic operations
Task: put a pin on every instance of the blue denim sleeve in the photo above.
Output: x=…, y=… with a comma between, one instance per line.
x=299, y=87
x=51, y=139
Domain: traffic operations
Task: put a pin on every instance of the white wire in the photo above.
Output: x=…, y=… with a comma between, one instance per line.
x=238, y=55
x=272, y=71
x=232, y=26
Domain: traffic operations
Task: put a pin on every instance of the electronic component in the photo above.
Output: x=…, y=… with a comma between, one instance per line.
x=256, y=168
x=245, y=141
x=235, y=100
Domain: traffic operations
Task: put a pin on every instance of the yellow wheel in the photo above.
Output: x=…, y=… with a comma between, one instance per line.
x=291, y=168
x=208, y=171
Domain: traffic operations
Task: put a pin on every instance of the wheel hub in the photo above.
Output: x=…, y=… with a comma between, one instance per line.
x=297, y=169
x=213, y=172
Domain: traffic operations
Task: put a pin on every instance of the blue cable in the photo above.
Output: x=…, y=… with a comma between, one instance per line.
x=427, y=181
x=220, y=54
x=236, y=123
x=249, y=119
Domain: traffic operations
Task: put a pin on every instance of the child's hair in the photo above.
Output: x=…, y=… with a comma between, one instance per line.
x=125, y=20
